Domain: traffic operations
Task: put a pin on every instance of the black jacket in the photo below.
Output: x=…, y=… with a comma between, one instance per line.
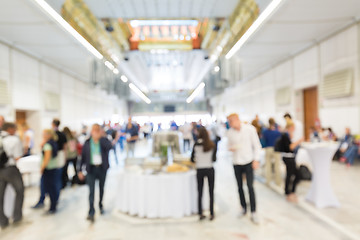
x=105, y=146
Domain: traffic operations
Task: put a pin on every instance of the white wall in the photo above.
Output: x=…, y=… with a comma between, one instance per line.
x=305, y=70
x=28, y=79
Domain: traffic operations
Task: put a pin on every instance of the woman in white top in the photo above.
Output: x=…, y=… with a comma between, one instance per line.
x=204, y=154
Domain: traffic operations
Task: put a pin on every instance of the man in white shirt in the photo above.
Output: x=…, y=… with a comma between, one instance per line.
x=10, y=174
x=244, y=142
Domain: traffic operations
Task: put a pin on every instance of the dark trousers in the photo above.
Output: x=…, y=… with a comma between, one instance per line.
x=57, y=179
x=51, y=186
x=42, y=190
x=201, y=174
x=11, y=175
x=96, y=173
x=292, y=175
x=186, y=145
x=240, y=170
x=65, y=176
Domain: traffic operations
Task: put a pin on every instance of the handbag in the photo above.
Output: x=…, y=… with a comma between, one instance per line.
x=305, y=173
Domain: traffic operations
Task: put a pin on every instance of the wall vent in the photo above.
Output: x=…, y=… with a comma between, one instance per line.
x=283, y=96
x=52, y=101
x=4, y=93
x=337, y=84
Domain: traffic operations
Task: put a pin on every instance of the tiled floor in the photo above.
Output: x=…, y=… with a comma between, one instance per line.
x=279, y=219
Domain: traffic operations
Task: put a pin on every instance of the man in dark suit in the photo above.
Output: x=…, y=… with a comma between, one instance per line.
x=95, y=158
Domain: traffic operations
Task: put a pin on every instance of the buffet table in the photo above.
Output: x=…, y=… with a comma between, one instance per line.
x=27, y=166
x=321, y=193
x=162, y=195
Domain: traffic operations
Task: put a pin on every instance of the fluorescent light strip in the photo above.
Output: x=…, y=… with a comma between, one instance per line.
x=49, y=10
x=195, y=93
x=124, y=78
x=116, y=71
x=115, y=58
x=109, y=65
x=139, y=93
x=252, y=29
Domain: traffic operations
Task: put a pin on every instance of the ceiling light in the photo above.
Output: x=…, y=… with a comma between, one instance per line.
x=115, y=58
x=124, y=78
x=109, y=65
x=255, y=26
x=216, y=68
x=134, y=23
x=116, y=71
x=49, y=10
x=137, y=23
x=139, y=93
x=195, y=92
x=213, y=58
x=219, y=48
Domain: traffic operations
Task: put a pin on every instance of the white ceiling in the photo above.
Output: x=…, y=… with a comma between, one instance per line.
x=135, y=9
x=169, y=9
x=295, y=26
x=24, y=25
x=175, y=70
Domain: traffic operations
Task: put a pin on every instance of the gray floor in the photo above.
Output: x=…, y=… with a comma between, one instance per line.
x=279, y=219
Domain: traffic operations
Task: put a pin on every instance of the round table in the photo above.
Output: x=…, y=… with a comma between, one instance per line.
x=321, y=154
x=163, y=195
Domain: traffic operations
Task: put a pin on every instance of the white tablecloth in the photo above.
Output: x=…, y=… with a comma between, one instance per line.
x=165, y=195
x=26, y=165
x=303, y=158
x=321, y=193
x=30, y=164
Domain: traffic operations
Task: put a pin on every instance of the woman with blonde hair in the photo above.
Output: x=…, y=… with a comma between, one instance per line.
x=48, y=170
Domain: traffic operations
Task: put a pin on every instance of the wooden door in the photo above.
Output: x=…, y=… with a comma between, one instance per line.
x=310, y=109
x=20, y=117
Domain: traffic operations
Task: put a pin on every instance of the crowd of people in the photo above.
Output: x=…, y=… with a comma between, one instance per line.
x=283, y=143
x=59, y=149
x=88, y=153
